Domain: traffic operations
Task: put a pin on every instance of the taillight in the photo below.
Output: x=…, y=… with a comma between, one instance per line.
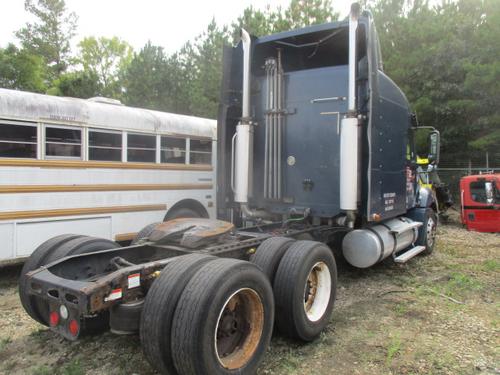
x=53, y=318
x=74, y=327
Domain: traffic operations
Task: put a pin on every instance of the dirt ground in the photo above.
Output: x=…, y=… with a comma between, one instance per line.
x=435, y=315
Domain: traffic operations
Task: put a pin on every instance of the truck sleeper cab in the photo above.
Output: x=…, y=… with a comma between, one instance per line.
x=312, y=155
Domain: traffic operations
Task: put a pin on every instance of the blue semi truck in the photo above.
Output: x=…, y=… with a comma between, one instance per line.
x=316, y=159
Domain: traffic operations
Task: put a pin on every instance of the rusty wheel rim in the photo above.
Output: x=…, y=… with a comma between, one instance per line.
x=317, y=291
x=239, y=328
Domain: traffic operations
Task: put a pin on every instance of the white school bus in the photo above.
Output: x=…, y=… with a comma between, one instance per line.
x=98, y=168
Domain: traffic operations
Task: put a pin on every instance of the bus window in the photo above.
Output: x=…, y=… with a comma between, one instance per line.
x=200, y=151
x=173, y=150
x=105, y=146
x=141, y=148
x=18, y=141
x=63, y=142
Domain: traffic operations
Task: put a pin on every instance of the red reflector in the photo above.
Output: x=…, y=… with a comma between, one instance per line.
x=74, y=327
x=53, y=318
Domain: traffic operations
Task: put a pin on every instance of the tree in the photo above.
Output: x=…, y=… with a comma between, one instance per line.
x=154, y=80
x=20, y=70
x=203, y=60
x=299, y=13
x=50, y=35
x=79, y=84
x=105, y=58
x=445, y=58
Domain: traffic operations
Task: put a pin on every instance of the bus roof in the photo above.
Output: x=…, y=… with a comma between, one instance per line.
x=99, y=112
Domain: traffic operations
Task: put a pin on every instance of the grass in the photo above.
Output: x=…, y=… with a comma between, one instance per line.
x=42, y=370
x=4, y=342
x=401, y=309
x=461, y=283
x=413, y=329
x=73, y=368
x=393, y=349
x=490, y=265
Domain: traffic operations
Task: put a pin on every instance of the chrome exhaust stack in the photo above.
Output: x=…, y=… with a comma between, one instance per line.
x=349, y=142
x=243, y=156
x=244, y=131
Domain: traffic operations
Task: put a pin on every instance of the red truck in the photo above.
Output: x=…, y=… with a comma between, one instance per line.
x=480, y=202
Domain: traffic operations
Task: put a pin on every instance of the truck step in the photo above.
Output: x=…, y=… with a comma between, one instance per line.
x=407, y=255
x=415, y=224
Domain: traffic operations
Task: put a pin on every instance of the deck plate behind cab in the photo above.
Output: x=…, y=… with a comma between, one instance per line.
x=190, y=232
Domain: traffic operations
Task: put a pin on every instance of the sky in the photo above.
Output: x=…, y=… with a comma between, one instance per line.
x=166, y=23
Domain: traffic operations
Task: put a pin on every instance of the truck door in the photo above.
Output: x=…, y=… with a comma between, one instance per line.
x=481, y=204
x=389, y=120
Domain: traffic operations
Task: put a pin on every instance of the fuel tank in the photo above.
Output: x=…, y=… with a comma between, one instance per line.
x=363, y=248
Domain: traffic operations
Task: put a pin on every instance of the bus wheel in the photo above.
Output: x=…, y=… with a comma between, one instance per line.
x=144, y=232
x=224, y=319
x=269, y=254
x=36, y=260
x=304, y=290
x=159, y=306
x=184, y=212
x=427, y=232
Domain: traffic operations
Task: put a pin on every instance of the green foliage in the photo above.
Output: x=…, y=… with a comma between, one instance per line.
x=79, y=84
x=73, y=368
x=42, y=370
x=4, y=342
x=393, y=348
x=444, y=56
x=299, y=13
x=21, y=70
x=205, y=54
x=152, y=80
x=49, y=36
x=106, y=59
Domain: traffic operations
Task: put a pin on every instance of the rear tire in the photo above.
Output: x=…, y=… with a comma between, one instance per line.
x=269, y=254
x=36, y=260
x=159, y=307
x=304, y=290
x=224, y=319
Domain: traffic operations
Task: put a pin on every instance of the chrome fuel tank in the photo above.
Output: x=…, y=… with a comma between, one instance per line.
x=363, y=248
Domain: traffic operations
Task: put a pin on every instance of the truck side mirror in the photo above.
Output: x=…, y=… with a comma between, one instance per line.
x=434, y=145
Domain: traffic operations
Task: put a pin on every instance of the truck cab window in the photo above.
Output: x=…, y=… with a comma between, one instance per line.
x=200, y=151
x=105, y=146
x=141, y=148
x=173, y=150
x=478, y=191
x=63, y=142
x=18, y=141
